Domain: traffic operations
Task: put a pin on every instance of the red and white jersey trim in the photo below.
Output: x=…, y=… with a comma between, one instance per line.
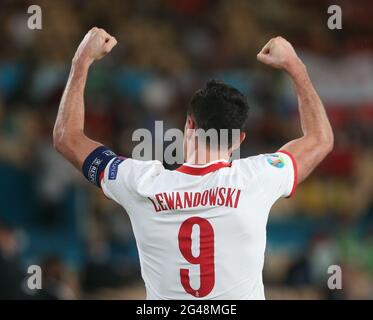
x=200, y=170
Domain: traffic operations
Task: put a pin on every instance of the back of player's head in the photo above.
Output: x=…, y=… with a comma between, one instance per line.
x=219, y=106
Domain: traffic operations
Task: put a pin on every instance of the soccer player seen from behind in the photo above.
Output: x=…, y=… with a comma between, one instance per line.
x=200, y=229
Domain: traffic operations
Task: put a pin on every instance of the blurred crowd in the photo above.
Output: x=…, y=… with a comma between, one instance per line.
x=52, y=217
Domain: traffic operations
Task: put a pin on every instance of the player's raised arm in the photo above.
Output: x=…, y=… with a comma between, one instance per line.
x=68, y=134
x=317, y=140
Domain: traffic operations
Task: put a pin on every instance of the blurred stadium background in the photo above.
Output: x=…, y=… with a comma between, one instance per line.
x=49, y=214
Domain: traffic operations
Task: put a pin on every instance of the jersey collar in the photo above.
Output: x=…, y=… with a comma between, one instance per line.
x=200, y=170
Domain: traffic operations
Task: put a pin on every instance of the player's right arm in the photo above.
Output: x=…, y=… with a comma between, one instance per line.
x=317, y=139
x=115, y=176
x=68, y=134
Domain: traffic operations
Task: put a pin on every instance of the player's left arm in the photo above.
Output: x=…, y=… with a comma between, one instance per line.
x=317, y=139
x=68, y=134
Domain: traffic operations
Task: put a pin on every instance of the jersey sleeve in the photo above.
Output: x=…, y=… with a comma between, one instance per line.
x=276, y=173
x=121, y=179
x=125, y=179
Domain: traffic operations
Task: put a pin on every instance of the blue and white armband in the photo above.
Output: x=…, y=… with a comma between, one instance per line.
x=94, y=165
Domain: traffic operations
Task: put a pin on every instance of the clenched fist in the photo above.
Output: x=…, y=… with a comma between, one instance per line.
x=279, y=53
x=96, y=44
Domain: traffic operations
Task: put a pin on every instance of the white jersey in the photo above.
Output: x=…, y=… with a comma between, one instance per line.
x=201, y=230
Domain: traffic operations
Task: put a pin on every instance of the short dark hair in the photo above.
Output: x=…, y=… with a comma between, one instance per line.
x=219, y=106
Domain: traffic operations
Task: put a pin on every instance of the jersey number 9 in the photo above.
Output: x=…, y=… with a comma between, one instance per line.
x=205, y=259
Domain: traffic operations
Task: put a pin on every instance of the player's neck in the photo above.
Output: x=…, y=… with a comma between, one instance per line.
x=201, y=158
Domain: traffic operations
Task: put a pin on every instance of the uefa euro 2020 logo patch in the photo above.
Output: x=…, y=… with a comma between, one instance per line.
x=276, y=160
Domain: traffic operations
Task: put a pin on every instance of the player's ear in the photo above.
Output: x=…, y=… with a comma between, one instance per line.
x=242, y=137
x=237, y=143
x=190, y=123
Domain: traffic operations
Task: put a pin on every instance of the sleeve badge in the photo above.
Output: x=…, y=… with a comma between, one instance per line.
x=275, y=160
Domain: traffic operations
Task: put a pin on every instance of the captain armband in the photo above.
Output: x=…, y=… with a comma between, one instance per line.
x=94, y=165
